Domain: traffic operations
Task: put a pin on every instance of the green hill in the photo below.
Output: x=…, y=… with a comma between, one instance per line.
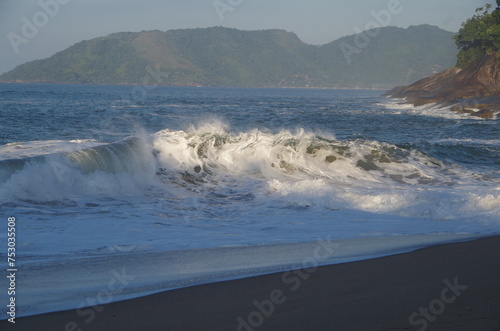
x=230, y=57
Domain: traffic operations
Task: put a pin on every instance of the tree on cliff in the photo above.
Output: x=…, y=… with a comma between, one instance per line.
x=479, y=35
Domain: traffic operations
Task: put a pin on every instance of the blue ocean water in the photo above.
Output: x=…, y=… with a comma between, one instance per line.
x=107, y=173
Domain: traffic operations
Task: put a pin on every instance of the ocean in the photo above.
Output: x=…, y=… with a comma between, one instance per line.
x=167, y=187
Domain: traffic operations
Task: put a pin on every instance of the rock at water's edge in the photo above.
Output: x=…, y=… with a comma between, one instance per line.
x=479, y=84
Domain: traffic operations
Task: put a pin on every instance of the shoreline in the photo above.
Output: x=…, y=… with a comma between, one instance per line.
x=450, y=285
x=202, y=86
x=486, y=108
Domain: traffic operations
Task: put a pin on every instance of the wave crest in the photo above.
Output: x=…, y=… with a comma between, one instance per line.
x=288, y=155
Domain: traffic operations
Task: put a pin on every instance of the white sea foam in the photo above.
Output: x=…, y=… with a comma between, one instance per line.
x=299, y=167
x=398, y=106
x=308, y=170
x=456, y=141
x=101, y=170
x=198, y=179
x=21, y=150
x=288, y=155
x=187, y=197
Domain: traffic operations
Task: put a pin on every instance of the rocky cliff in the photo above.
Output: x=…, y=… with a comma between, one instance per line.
x=474, y=90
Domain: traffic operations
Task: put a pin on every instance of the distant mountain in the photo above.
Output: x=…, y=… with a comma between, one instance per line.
x=229, y=57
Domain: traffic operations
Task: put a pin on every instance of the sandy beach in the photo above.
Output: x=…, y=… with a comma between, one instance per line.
x=445, y=287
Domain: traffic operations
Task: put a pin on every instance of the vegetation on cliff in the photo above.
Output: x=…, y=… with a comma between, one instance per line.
x=479, y=36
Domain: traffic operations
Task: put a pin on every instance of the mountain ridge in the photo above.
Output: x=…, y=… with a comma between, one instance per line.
x=221, y=56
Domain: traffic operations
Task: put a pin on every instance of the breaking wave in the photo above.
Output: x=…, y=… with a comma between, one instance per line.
x=296, y=156
x=299, y=168
x=111, y=169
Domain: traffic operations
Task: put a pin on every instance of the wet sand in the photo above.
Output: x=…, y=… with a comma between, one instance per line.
x=445, y=287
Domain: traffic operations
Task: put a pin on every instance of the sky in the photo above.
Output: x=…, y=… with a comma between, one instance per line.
x=37, y=29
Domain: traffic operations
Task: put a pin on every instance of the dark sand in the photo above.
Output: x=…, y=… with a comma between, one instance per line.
x=446, y=287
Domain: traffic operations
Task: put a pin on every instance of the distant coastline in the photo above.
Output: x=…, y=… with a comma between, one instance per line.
x=207, y=86
x=230, y=57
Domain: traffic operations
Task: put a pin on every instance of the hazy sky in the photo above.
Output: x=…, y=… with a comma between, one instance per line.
x=314, y=21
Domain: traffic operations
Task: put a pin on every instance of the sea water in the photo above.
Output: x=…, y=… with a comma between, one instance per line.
x=175, y=186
